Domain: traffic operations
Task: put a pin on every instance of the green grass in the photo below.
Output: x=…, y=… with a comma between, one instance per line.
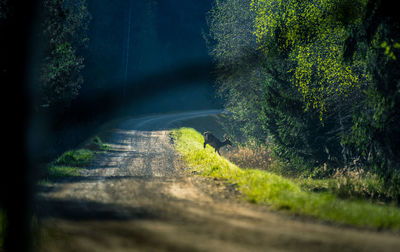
x=68, y=164
x=281, y=193
x=96, y=144
x=367, y=188
x=100, y=145
x=80, y=157
x=62, y=171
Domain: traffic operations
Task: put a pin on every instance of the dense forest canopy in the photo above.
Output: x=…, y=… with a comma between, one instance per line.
x=317, y=81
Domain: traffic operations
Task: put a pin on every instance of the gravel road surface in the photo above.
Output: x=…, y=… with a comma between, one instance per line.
x=139, y=197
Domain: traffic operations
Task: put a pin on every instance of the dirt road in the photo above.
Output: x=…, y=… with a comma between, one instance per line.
x=138, y=197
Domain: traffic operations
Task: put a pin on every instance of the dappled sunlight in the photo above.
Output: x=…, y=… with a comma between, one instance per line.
x=281, y=193
x=208, y=125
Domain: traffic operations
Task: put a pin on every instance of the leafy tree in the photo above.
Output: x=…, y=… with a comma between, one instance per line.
x=65, y=25
x=313, y=33
x=340, y=47
x=342, y=58
x=257, y=87
x=376, y=129
x=232, y=45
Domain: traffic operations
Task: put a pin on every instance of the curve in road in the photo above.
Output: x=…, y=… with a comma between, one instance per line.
x=138, y=197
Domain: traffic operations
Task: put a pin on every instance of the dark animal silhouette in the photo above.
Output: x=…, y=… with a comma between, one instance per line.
x=210, y=139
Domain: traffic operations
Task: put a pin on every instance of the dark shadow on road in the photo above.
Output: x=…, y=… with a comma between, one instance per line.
x=78, y=179
x=81, y=210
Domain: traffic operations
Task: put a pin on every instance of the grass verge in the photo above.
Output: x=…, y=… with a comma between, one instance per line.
x=346, y=183
x=68, y=164
x=80, y=157
x=367, y=188
x=96, y=144
x=281, y=193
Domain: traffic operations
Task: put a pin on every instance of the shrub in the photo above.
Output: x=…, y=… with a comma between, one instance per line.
x=282, y=193
x=80, y=157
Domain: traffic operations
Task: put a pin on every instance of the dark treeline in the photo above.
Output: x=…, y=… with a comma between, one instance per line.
x=315, y=81
x=92, y=46
x=96, y=60
x=71, y=65
x=163, y=34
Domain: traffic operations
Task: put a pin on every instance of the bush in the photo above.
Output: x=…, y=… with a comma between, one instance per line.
x=68, y=164
x=96, y=144
x=349, y=185
x=282, y=193
x=257, y=157
x=80, y=157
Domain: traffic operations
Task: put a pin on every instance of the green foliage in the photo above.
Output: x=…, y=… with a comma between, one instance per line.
x=298, y=138
x=55, y=171
x=231, y=44
x=285, y=65
x=65, y=25
x=280, y=193
x=68, y=164
x=312, y=33
x=376, y=129
x=388, y=49
x=96, y=144
x=239, y=77
x=257, y=86
x=100, y=145
x=369, y=188
x=58, y=75
x=80, y=157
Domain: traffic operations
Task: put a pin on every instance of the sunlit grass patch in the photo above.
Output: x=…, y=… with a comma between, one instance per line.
x=80, y=157
x=68, y=164
x=281, y=193
x=96, y=144
x=62, y=171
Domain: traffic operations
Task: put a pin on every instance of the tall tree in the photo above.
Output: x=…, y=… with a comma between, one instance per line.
x=258, y=91
x=341, y=56
x=376, y=130
x=313, y=33
x=232, y=45
x=65, y=25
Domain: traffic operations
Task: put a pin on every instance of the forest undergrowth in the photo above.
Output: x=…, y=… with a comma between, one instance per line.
x=306, y=197
x=346, y=183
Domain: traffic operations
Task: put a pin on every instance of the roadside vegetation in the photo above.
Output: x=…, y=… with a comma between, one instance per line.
x=70, y=162
x=316, y=84
x=350, y=183
x=282, y=193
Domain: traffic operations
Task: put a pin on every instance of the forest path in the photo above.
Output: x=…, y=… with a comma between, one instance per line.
x=138, y=197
